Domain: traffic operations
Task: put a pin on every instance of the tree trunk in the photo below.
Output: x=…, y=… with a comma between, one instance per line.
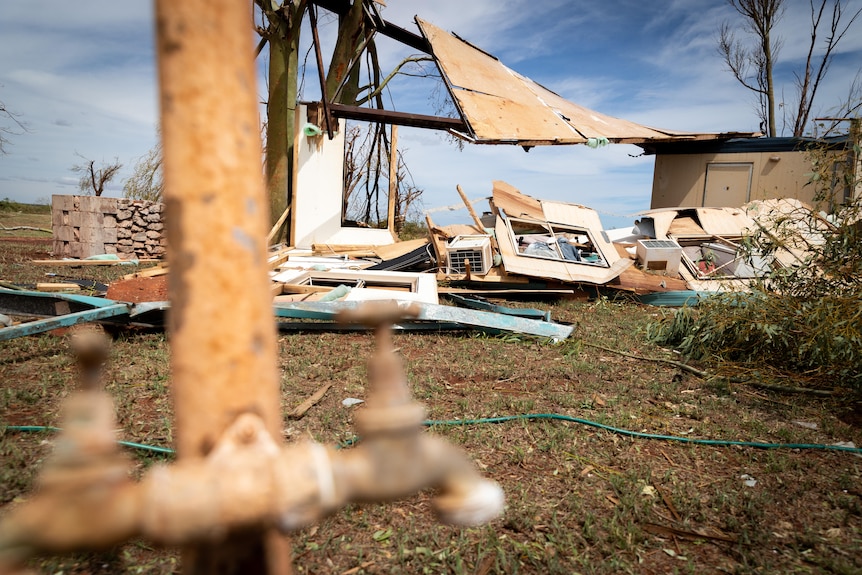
x=282, y=34
x=770, y=86
x=279, y=129
x=351, y=30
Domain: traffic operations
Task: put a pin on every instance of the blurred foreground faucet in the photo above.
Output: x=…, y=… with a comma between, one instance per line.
x=234, y=490
x=86, y=499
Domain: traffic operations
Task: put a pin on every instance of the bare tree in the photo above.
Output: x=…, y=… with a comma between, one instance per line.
x=366, y=179
x=147, y=182
x=280, y=28
x=752, y=63
x=93, y=180
x=810, y=79
x=15, y=129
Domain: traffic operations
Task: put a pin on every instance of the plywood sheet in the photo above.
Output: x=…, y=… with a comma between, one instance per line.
x=639, y=281
x=685, y=226
x=723, y=221
x=502, y=119
x=589, y=123
x=661, y=222
x=399, y=249
x=501, y=106
x=515, y=204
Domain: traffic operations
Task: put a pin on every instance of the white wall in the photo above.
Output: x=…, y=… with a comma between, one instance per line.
x=317, y=203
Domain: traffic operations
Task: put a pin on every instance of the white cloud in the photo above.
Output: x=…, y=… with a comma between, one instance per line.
x=83, y=79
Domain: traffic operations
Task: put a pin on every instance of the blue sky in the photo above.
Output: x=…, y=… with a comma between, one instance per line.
x=81, y=76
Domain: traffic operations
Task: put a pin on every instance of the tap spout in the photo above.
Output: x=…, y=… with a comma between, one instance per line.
x=390, y=468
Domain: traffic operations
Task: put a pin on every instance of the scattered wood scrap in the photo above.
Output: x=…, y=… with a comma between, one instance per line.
x=159, y=269
x=278, y=257
x=57, y=287
x=75, y=263
x=355, y=251
x=300, y=410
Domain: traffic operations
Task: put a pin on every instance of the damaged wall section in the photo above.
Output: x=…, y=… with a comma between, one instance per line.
x=86, y=226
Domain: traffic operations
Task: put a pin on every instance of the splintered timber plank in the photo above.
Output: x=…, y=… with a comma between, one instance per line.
x=54, y=287
x=517, y=205
x=438, y=244
x=157, y=270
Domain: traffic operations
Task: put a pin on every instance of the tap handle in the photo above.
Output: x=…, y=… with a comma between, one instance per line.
x=378, y=313
x=90, y=345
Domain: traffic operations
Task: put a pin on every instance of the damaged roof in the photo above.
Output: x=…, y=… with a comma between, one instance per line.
x=500, y=106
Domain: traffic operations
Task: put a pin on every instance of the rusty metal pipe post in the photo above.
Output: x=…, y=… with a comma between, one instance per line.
x=221, y=327
x=234, y=482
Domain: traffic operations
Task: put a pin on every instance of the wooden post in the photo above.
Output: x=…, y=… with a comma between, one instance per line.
x=222, y=332
x=393, y=182
x=479, y=225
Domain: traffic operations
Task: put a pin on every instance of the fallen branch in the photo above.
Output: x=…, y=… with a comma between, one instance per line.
x=789, y=388
x=678, y=364
x=670, y=532
x=706, y=375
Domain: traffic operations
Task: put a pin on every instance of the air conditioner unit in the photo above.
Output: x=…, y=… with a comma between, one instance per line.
x=660, y=255
x=474, y=249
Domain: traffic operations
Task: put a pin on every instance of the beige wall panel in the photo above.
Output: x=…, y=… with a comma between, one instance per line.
x=679, y=179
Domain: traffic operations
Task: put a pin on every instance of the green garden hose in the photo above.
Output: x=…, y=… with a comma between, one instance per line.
x=530, y=417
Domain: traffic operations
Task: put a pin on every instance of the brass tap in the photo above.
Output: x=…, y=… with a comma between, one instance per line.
x=86, y=499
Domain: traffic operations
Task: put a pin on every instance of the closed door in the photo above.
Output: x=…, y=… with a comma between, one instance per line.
x=727, y=185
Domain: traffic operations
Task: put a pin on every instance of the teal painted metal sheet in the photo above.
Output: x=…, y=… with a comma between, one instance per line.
x=86, y=300
x=435, y=313
x=481, y=304
x=673, y=298
x=43, y=325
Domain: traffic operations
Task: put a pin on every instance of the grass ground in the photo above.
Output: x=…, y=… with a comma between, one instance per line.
x=580, y=499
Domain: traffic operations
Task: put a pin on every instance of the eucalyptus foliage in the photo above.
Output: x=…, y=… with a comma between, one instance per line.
x=805, y=316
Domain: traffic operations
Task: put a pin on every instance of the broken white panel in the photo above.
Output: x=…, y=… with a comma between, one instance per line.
x=398, y=284
x=316, y=213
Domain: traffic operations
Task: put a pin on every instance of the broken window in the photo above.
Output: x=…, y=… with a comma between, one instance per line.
x=720, y=257
x=545, y=240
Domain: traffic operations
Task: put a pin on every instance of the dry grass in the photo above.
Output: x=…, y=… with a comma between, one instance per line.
x=580, y=499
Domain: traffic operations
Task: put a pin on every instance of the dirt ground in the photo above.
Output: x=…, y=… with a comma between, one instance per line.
x=137, y=290
x=582, y=497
